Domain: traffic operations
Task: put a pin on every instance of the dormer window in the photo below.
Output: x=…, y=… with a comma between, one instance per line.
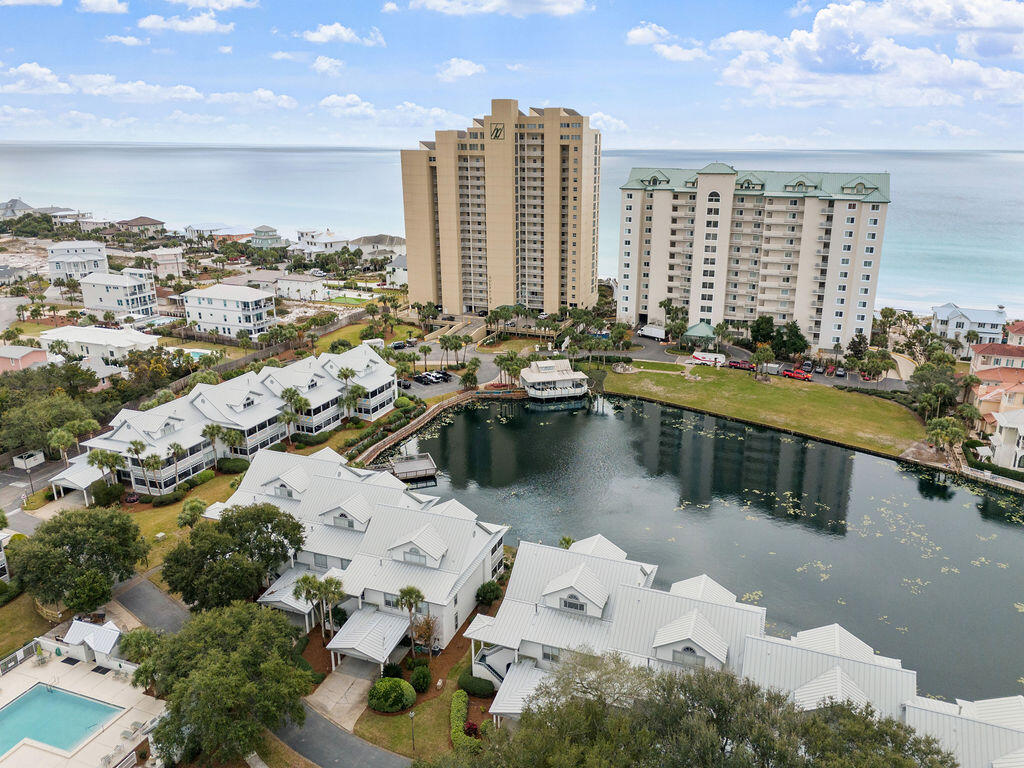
x=344, y=521
x=572, y=602
x=283, y=491
x=248, y=402
x=413, y=555
x=312, y=384
x=688, y=657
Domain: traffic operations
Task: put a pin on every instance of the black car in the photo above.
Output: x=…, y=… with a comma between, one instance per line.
x=404, y=384
x=807, y=367
x=419, y=378
x=840, y=373
x=445, y=375
x=482, y=313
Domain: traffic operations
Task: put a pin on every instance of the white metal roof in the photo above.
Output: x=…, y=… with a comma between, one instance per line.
x=974, y=743
x=703, y=587
x=693, y=626
x=598, y=545
x=838, y=641
x=580, y=579
x=521, y=681
x=101, y=638
x=541, y=371
x=229, y=293
x=425, y=538
x=91, y=334
x=282, y=592
x=113, y=279
x=832, y=685
x=370, y=634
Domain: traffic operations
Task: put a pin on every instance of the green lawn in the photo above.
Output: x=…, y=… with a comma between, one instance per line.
x=230, y=352
x=349, y=301
x=854, y=419
x=393, y=732
x=28, y=328
x=336, y=442
x=351, y=334
x=165, y=519
x=517, y=345
x=19, y=623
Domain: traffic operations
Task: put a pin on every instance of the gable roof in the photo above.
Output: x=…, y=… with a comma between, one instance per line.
x=833, y=685
x=598, y=545
x=703, y=587
x=426, y=538
x=696, y=627
x=579, y=579
x=101, y=638
x=838, y=641
x=1007, y=350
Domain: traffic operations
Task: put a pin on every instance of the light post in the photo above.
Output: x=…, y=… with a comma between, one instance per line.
x=412, y=724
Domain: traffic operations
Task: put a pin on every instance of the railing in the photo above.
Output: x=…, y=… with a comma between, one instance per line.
x=22, y=654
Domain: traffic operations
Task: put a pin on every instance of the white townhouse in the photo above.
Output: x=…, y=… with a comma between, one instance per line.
x=250, y=404
x=591, y=598
x=76, y=259
x=368, y=530
x=297, y=285
x=128, y=292
x=553, y=380
x=93, y=341
x=1007, y=441
x=228, y=309
x=313, y=241
x=953, y=322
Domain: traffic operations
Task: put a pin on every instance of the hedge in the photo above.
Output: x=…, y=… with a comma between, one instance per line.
x=457, y=720
x=279, y=447
x=201, y=477
x=903, y=398
x=232, y=466
x=104, y=494
x=420, y=679
x=170, y=498
x=390, y=694
x=476, y=686
x=995, y=469
x=304, y=439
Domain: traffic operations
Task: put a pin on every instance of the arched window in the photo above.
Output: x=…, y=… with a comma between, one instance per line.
x=800, y=186
x=572, y=602
x=714, y=197
x=413, y=555
x=860, y=189
x=688, y=657
x=284, y=491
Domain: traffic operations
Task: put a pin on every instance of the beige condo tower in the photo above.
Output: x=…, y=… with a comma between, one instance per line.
x=505, y=212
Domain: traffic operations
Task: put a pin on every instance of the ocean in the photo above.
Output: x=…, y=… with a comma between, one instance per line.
x=955, y=230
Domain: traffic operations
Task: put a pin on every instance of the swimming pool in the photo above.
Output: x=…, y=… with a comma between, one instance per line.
x=52, y=716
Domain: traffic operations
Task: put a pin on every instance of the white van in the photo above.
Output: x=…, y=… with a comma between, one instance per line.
x=708, y=358
x=653, y=332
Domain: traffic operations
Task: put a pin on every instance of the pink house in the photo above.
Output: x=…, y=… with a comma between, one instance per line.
x=15, y=358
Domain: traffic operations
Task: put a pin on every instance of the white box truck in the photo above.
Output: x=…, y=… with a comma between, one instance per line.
x=653, y=332
x=713, y=359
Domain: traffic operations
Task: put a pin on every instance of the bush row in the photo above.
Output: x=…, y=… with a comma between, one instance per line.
x=232, y=466
x=457, y=721
x=903, y=398
x=476, y=686
x=995, y=469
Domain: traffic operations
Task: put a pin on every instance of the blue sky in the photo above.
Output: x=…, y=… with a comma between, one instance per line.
x=652, y=73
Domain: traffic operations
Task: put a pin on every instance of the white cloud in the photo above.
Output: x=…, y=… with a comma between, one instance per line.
x=349, y=105
x=509, y=7
x=33, y=78
x=389, y=8
x=285, y=56
x=261, y=97
x=135, y=90
x=801, y=7
x=338, y=33
x=647, y=33
x=455, y=68
x=860, y=54
x=515, y=67
x=943, y=128
x=200, y=24
x=29, y=2
x=225, y=49
x=192, y=118
x=102, y=6
x=129, y=40
x=678, y=53
x=409, y=114
x=325, y=65
x=217, y=5
x=604, y=122
x=83, y=119
x=20, y=115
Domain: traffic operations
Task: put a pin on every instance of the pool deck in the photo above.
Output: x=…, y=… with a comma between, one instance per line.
x=138, y=707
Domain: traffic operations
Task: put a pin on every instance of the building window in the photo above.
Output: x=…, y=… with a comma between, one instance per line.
x=688, y=657
x=413, y=555
x=319, y=561
x=573, y=603
x=549, y=653
x=390, y=601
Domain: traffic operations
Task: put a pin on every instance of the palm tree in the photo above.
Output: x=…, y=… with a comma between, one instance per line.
x=288, y=417
x=154, y=464
x=233, y=438
x=333, y=592
x=135, y=448
x=409, y=598
x=307, y=587
x=213, y=432
x=175, y=451
x=346, y=375
x=425, y=350
x=105, y=461
x=60, y=439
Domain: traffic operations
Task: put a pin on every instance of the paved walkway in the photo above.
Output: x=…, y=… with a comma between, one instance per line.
x=152, y=606
x=329, y=746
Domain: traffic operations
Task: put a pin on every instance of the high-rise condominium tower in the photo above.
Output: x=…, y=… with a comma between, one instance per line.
x=505, y=212
x=730, y=245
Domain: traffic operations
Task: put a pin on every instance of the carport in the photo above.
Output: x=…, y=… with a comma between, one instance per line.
x=77, y=477
x=369, y=634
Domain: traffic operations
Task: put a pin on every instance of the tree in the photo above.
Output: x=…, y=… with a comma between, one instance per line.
x=763, y=355
x=566, y=541
x=424, y=630
x=232, y=438
x=858, y=346
x=213, y=432
x=946, y=432
x=138, y=644
x=425, y=349
x=410, y=598
x=307, y=587
x=332, y=591
x=191, y=511
x=176, y=451
x=60, y=440
x=52, y=563
x=106, y=461
x=154, y=464
x=229, y=675
x=89, y=590
x=762, y=330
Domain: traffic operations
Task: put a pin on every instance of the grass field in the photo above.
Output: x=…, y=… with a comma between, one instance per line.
x=19, y=623
x=351, y=334
x=336, y=442
x=28, y=328
x=854, y=419
x=349, y=301
x=231, y=352
x=432, y=726
x=517, y=345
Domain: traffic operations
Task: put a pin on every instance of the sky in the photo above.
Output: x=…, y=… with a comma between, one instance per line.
x=742, y=74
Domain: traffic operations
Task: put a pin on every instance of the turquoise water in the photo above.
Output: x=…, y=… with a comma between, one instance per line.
x=52, y=716
x=953, y=233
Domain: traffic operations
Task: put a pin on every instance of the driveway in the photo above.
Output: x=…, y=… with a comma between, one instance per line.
x=329, y=746
x=342, y=695
x=15, y=482
x=152, y=607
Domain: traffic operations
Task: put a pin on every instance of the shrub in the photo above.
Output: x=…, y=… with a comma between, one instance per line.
x=201, y=477
x=476, y=686
x=170, y=498
x=392, y=670
x=415, y=662
x=279, y=447
x=389, y=694
x=457, y=721
x=471, y=728
x=420, y=679
x=995, y=469
x=104, y=494
x=402, y=403
x=488, y=592
x=232, y=466
x=304, y=439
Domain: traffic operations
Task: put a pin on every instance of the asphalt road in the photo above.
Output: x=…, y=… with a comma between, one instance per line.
x=15, y=482
x=329, y=746
x=7, y=313
x=152, y=607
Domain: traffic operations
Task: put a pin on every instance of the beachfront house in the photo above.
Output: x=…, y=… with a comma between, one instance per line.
x=93, y=341
x=396, y=274
x=553, y=380
x=953, y=322
x=250, y=404
x=298, y=285
x=367, y=530
x=266, y=237
x=10, y=275
x=131, y=292
x=228, y=309
x=141, y=225
x=313, y=241
x=76, y=259
x=995, y=355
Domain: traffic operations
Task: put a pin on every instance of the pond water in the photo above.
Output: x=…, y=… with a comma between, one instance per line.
x=923, y=569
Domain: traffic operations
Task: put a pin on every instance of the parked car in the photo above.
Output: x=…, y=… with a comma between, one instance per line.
x=398, y=345
x=445, y=376
x=404, y=384
x=840, y=373
x=743, y=365
x=798, y=375
x=807, y=367
x=830, y=371
x=131, y=498
x=865, y=376
x=434, y=377
x=482, y=313
x=819, y=368
x=543, y=316
x=447, y=318
x=421, y=378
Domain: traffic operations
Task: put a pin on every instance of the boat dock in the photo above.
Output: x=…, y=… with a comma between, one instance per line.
x=416, y=469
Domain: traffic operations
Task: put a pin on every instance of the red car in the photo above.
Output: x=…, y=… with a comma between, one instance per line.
x=743, y=365
x=798, y=375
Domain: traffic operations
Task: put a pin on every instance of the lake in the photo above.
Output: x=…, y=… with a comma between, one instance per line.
x=921, y=569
